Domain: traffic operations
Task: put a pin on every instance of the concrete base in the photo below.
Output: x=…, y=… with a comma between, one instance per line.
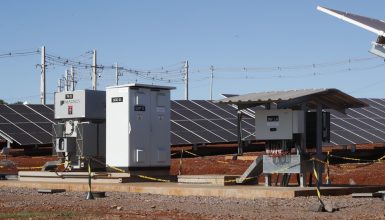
x=50, y=191
x=243, y=192
x=217, y=180
x=67, y=177
x=146, y=171
x=368, y=195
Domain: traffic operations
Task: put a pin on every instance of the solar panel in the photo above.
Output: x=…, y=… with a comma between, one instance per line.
x=228, y=112
x=44, y=110
x=36, y=119
x=368, y=123
x=201, y=121
x=18, y=135
x=183, y=135
x=11, y=115
x=370, y=24
x=29, y=113
x=47, y=126
x=25, y=125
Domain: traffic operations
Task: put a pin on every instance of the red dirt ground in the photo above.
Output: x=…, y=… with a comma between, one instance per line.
x=345, y=173
x=27, y=203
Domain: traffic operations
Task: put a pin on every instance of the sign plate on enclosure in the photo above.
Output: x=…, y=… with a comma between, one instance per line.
x=69, y=96
x=117, y=99
x=140, y=108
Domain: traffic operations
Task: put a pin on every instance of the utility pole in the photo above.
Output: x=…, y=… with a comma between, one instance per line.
x=59, y=85
x=186, y=80
x=62, y=83
x=94, y=73
x=211, y=83
x=116, y=74
x=42, y=76
x=67, y=80
x=72, y=85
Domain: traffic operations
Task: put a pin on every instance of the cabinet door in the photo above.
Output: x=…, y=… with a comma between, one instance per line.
x=160, y=128
x=140, y=128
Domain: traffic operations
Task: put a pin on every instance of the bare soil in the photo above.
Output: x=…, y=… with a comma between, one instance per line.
x=28, y=203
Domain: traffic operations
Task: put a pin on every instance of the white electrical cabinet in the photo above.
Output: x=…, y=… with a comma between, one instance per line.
x=138, y=126
x=278, y=124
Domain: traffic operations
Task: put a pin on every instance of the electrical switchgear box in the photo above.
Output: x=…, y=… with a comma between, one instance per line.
x=278, y=124
x=80, y=129
x=80, y=104
x=138, y=126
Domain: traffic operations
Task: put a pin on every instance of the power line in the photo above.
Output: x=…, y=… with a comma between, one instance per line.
x=311, y=74
x=285, y=67
x=174, y=73
x=19, y=54
x=26, y=97
x=161, y=74
x=368, y=86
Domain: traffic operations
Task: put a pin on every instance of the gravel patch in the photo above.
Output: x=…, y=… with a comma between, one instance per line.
x=147, y=206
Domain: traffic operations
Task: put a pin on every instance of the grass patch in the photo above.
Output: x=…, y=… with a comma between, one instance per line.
x=25, y=214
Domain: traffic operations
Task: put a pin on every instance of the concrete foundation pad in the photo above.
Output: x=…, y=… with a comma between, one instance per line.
x=51, y=191
x=235, y=191
x=81, y=177
x=367, y=195
x=218, y=180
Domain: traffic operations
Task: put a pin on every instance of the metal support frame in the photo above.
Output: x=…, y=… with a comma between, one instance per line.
x=267, y=179
x=302, y=179
x=319, y=142
x=239, y=132
x=302, y=148
x=195, y=147
x=8, y=139
x=5, y=151
x=378, y=49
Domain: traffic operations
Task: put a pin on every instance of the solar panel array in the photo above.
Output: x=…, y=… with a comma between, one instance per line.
x=188, y=126
x=27, y=124
x=201, y=122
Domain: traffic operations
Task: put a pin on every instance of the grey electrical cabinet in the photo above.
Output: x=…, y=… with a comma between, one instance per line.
x=86, y=104
x=138, y=126
x=278, y=124
x=80, y=129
